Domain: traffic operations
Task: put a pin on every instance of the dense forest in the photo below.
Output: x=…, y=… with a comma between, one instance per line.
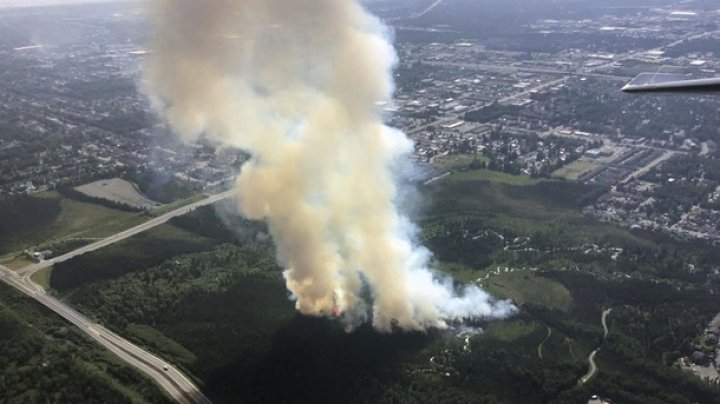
x=43, y=359
x=159, y=187
x=223, y=313
x=142, y=251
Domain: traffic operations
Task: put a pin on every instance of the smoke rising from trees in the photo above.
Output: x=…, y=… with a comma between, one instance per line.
x=297, y=84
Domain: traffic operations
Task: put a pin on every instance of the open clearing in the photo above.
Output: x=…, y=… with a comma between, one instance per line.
x=493, y=176
x=510, y=330
x=526, y=287
x=119, y=191
x=574, y=170
x=72, y=219
x=457, y=162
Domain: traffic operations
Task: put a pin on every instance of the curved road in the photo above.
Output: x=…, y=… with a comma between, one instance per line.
x=591, y=359
x=428, y=9
x=540, y=347
x=420, y=13
x=174, y=382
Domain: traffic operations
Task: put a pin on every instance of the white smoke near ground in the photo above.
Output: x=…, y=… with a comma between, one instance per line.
x=297, y=83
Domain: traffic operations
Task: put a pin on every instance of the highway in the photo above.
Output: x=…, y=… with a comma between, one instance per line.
x=526, y=69
x=177, y=385
x=30, y=270
x=529, y=91
x=174, y=382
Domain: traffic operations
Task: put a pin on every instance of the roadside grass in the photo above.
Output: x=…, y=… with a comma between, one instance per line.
x=136, y=253
x=42, y=278
x=574, y=170
x=16, y=261
x=115, y=226
x=161, y=210
x=75, y=219
x=157, y=341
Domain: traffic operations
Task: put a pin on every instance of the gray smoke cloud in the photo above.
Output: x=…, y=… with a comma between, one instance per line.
x=297, y=84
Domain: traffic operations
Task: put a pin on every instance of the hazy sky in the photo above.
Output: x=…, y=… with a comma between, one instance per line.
x=29, y=3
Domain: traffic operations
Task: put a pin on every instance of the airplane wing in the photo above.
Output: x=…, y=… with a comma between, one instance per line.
x=671, y=83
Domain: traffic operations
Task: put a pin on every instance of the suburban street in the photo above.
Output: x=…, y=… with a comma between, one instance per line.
x=168, y=377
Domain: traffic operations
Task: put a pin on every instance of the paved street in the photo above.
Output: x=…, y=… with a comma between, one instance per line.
x=168, y=377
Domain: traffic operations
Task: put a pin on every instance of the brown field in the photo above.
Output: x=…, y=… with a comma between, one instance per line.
x=117, y=190
x=577, y=168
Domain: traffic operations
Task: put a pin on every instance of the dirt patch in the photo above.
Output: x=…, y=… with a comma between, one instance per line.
x=119, y=191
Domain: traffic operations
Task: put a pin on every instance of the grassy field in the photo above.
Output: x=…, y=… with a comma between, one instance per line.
x=73, y=219
x=526, y=287
x=42, y=278
x=161, y=210
x=457, y=162
x=510, y=330
x=16, y=261
x=574, y=170
x=491, y=194
x=521, y=205
x=492, y=176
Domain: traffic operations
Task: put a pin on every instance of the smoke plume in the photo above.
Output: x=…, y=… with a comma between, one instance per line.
x=297, y=84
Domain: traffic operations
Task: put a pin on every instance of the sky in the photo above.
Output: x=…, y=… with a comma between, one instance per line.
x=31, y=3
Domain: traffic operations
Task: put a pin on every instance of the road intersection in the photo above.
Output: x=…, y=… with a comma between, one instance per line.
x=172, y=380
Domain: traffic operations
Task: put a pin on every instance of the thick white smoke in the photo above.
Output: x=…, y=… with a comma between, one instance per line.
x=296, y=83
